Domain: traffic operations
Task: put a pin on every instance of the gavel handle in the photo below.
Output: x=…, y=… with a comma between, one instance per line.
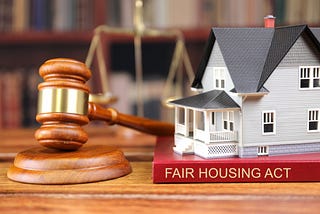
x=111, y=116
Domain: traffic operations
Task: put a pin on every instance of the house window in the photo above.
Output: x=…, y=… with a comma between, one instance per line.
x=268, y=122
x=313, y=120
x=219, y=78
x=309, y=77
x=263, y=150
x=181, y=116
x=228, y=120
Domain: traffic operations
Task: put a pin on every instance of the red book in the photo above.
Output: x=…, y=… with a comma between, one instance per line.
x=169, y=167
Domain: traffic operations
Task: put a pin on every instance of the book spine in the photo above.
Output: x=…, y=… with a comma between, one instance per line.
x=235, y=172
x=11, y=100
x=20, y=15
x=41, y=15
x=126, y=8
x=62, y=15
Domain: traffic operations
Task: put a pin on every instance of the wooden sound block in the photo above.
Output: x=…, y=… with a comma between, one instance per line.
x=40, y=165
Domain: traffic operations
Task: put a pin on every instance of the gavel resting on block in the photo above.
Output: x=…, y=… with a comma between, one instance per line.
x=63, y=108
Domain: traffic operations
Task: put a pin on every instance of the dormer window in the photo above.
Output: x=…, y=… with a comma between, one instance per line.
x=219, y=78
x=309, y=77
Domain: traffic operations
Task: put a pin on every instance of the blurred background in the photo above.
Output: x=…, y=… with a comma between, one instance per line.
x=33, y=31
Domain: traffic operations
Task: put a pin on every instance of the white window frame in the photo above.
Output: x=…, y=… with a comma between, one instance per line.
x=310, y=73
x=219, y=75
x=228, y=118
x=313, y=116
x=263, y=150
x=268, y=117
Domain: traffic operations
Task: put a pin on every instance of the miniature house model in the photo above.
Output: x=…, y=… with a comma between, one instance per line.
x=259, y=94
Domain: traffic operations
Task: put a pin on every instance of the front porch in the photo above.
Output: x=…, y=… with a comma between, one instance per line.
x=207, y=125
x=206, y=133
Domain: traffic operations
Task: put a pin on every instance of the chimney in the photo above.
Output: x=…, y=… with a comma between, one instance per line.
x=269, y=21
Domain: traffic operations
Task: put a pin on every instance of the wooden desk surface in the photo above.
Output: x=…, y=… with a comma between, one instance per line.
x=135, y=193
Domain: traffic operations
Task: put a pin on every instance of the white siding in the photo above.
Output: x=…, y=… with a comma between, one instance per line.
x=290, y=104
x=216, y=58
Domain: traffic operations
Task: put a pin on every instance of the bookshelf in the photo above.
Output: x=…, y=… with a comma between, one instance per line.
x=23, y=51
x=26, y=43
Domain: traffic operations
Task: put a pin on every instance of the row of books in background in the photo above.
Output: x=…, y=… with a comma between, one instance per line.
x=18, y=97
x=74, y=15
x=242, y=13
x=204, y=13
x=39, y=15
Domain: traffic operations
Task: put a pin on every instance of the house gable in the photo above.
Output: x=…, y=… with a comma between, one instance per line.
x=215, y=65
x=284, y=40
x=303, y=53
x=244, y=51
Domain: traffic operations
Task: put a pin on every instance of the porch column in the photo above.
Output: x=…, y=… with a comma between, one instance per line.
x=240, y=129
x=176, y=119
x=207, y=126
x=186, y=122
x=194, y=123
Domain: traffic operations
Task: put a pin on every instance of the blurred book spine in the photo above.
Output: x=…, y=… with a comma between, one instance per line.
x=18, y=97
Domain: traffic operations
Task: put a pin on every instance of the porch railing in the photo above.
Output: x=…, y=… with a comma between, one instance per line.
x=223, y=136
x=213, y=136
x=181, y=129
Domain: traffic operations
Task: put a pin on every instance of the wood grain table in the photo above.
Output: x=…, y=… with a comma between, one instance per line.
x=135, y=193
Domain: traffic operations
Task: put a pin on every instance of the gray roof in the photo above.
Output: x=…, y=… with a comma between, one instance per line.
x=215, y=99
x=252, y=54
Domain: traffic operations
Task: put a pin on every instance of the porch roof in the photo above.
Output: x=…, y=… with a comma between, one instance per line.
x=215, y=99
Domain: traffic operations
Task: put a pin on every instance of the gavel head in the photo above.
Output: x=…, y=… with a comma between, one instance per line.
x=63, y=104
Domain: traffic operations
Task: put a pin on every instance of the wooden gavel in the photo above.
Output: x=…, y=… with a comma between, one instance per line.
x=63, y=107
